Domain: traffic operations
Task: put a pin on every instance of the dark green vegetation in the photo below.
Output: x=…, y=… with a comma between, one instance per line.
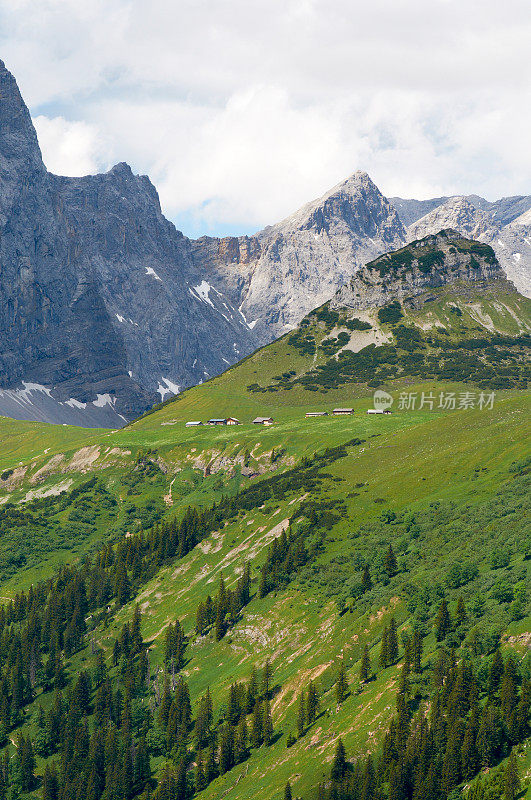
x=428, y=257
x=490, y=362
x=99, y=719
x=434, y=337
x=63, y=522
x=476, y=719
x=330, y=607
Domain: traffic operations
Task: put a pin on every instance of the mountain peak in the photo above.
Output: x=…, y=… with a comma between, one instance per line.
x=18, y=138
x=457, y=213
x=121, y=168
x=445, y=257
x=354, y=205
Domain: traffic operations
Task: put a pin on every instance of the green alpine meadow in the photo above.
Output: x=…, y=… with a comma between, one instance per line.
x=307, y=577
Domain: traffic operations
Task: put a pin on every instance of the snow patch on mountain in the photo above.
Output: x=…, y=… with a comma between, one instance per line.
x=202, y=291
x=151, y=271
x=167, y=386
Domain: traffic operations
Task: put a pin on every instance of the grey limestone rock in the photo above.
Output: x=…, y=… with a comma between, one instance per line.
x=99, y=294
x=433, y=261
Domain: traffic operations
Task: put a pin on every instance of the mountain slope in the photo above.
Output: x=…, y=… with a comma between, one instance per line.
x=98, y=292
x=277, y=276
x=299, y=546
x=410, y=210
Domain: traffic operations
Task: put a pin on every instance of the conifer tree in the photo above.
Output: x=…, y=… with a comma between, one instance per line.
x=452, y=758
x=287, y=792
x=199, y=778
x=251, y=692
x=390, y=563
x=443, y=622
x=392, y=642
x=233, y=706
x=496, y=672
x=201, y=622
x=242, y=737
x=226, y=749
x=339, y=763
x=165, y=705
x=136, y=635
x=267, y=724
x=122, y=587
x=511, y=779
x=25, y=763
x=403, y=687
x=368, y=781
x=211, y=766
x=341, y=682
x=244, y=585
x=469, y=754
x=266, y=679
x=50, y=783
x=142, y=768
x=460, y=614
x=365, y=665
x=126, y=777
x=366, y=582
x=219, y=631
x=509, y=690
x=257, y=721
x=417, y=651
x=100, y=668
x=384, y=654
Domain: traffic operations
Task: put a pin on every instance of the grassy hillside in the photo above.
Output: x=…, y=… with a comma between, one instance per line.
x=446, y=487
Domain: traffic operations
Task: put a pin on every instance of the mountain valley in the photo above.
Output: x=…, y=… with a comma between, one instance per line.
x=216, y=610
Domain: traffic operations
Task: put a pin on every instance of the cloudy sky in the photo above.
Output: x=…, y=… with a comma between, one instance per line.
x=242, y=110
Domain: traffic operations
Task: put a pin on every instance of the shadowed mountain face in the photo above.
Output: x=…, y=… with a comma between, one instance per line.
x=99, y=296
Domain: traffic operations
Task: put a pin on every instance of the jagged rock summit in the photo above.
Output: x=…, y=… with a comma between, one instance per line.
x=287, y=269
x=434, y=261
x=457, y=213
x=101, y=306
x=504, y=224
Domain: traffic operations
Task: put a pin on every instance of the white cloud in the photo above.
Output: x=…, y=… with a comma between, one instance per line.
x=68, y=148
x=240, y=111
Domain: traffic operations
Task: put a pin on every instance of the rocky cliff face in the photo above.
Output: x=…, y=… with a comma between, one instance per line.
x=105, y=308
x=99, y=294
x=410, y=210
x=287, y=269
x=436, y=260
x=278, y=275
x=504, y=224
x=457, y=213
